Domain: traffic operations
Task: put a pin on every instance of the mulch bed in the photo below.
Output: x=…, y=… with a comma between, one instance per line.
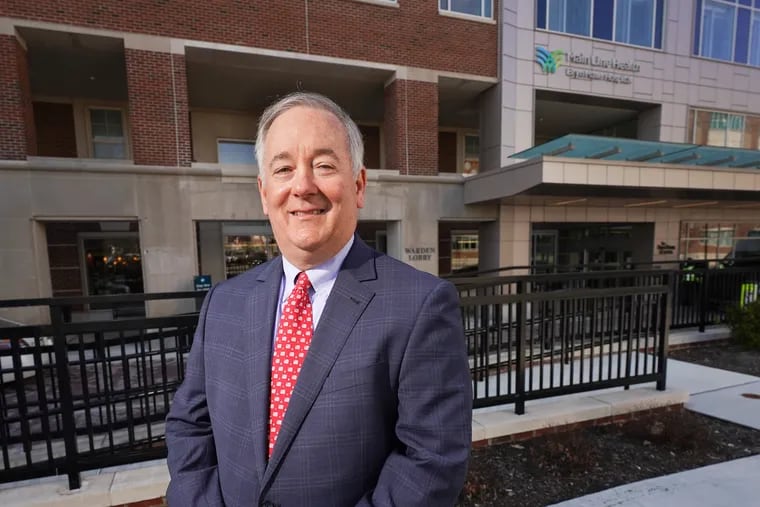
x=565, y=465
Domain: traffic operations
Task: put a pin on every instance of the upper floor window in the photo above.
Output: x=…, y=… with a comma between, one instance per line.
x=107, y=133
x=471, y=154
x=234, y=151
x=636, y=22
x=728, y=30
x=715, y=128
x=480, y=8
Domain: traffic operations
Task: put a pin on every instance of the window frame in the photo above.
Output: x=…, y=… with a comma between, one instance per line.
x=754, y=14
x=380, y=3
x=105, y=139
x=612, y=40
x=448, y=11
x=731, y=116
x=232, y=140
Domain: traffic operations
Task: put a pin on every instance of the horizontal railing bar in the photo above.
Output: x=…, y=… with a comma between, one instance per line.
x=101, y=300
x=561, y=295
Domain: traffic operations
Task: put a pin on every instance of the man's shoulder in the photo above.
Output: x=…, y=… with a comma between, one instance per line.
x=394, y=269
x=246, y=280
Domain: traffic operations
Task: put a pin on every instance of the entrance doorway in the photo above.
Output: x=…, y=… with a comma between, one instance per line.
x=570, y=246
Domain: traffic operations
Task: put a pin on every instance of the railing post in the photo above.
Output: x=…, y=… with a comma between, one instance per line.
x=666, y=305
x=520, y=374
x=703, y=299
x=67, y=402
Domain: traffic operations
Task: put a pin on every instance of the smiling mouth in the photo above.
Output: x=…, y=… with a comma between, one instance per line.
x=308, y=213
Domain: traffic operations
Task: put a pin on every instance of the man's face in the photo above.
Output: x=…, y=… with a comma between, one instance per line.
x=309, y=192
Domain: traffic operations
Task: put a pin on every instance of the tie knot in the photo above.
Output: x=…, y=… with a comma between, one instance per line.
x=302, y=281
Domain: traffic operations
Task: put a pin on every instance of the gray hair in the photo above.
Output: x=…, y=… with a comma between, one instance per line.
x=313, y=101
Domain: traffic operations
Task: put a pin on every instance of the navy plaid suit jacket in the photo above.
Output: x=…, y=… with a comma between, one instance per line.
x=381, y=412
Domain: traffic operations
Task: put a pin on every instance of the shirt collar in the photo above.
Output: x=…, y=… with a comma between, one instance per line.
x=320, y=276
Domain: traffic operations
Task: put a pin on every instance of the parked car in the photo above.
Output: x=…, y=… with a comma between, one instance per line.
x=27, y=358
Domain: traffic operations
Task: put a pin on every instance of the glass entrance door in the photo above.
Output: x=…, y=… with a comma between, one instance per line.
x=543, y=254
x=113, y=265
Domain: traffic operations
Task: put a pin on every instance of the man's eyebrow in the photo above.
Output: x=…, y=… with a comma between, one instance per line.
x=283, y=155
x=326, y=151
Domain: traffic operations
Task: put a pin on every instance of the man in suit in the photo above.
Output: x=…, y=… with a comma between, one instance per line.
x=371, y=403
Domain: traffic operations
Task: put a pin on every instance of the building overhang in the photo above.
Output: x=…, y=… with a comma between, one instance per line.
x=594, y=170
x=572, y=181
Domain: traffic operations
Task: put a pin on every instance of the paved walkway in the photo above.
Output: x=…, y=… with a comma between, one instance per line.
x=718, y=393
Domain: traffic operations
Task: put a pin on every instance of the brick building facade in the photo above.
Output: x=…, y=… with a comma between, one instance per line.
x=132, y=125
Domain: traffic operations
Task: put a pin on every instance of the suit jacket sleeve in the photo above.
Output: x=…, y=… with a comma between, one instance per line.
x=189, y=438
x=434, y=423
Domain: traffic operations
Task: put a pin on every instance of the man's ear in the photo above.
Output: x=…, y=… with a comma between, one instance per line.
x=361, y=187
x=263, y=195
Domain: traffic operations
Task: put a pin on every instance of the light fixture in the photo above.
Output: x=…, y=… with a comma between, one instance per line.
x=696, y=204
x=572, y=201
x=647, y=203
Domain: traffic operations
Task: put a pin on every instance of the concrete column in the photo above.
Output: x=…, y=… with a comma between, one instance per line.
x=168, y=242
x=514, y=237
x=211, y=246
x=411, y=126
x=158, y=107
x=489, y=246
x=17, y=133
x=490, y=129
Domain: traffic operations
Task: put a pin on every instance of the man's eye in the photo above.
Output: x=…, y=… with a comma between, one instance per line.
x=282, y=170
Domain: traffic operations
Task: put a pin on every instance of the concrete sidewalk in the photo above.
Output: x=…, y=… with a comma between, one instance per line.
x=717, y=393
x=733, y=483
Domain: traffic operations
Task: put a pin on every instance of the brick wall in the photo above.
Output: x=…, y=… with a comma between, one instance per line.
x=17, y=136
x=158, y=108
x=413, y=34
x=54, y=123
x=411, y=127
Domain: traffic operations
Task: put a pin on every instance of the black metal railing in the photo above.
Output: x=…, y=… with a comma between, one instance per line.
x=702, y=290
x=76, y=396
x=82, y=395
x=537, y=336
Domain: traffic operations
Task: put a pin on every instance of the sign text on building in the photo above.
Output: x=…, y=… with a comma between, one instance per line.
x=605, y=69
x=419, y=253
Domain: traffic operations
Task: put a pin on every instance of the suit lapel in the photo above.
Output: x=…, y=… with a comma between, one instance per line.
x=346, y=303
x=262, y=306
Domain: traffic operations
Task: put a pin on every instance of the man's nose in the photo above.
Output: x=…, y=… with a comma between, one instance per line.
x=303, y=180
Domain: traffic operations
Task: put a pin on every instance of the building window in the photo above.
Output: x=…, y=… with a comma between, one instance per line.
x=728, y=30
x=247, y=245
x=715, y=128
x=107, y=131
x=480, y=8
x=636, y=22
x=234, y=151
x=464, y=251
x=714, y=241
x=471, y=154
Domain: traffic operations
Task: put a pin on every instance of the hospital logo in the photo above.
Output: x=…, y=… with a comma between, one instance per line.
x=549, y=60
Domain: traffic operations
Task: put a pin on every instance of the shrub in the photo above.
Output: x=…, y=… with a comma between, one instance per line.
x=745, y=324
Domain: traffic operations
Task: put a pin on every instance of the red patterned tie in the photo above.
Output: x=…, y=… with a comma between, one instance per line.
x=293, y=339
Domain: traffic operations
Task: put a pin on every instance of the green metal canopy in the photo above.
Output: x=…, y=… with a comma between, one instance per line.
x=652, y=152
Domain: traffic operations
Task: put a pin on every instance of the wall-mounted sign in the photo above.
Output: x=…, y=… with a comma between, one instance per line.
x=665, y=249
x=419, y=253
x=600, y=68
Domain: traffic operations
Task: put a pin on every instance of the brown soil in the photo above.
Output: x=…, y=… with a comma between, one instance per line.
x=557, y=467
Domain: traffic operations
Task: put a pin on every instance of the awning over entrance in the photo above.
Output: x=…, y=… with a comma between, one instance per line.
x=610, y=171
x=634, y=150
